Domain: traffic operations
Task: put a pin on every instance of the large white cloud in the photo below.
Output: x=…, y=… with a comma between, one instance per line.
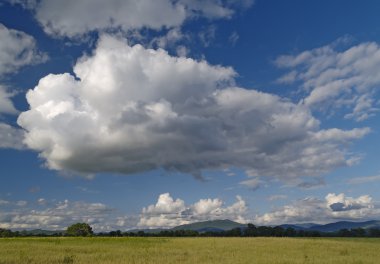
x=335, y=79
x=131, y=109
x=333, y=208
x=340, y=202
x=168, y=212
x=74, y=18
x=17, y=49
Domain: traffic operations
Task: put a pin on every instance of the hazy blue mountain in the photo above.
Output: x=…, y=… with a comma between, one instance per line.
x=221, y=225
x=307, y=225
x=224, y=225
x=206, y=226
x=295, y=227
x=332, y=227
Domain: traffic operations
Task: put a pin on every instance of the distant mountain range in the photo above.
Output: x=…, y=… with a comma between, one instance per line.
x=333, y=227
x=225, y=225
x=215, y=225
x=206, y=226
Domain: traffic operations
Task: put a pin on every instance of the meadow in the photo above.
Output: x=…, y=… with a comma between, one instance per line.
x=188, y=250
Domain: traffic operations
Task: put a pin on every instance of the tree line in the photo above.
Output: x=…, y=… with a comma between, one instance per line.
x=83, y=229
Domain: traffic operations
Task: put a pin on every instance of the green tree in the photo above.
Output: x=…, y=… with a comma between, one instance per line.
x=290, y=232
x=278, y=231
x=79, y=229
x=5, y=233
x=374, y=232
x=344, y=233
x=251, y=230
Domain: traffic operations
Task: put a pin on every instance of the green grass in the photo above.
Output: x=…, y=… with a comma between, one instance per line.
x=188, y=250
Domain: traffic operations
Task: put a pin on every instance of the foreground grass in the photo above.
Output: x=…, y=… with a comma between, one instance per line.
x=188, y=250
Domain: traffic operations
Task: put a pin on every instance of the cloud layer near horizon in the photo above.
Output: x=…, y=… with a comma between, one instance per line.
x=44, y=214
x=335, y=207
x=168, y=212
x=131, y=109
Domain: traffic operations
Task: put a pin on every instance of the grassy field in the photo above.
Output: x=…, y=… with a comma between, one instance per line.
x=188, y=250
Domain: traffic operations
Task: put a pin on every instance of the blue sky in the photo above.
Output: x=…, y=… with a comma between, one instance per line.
x=159, y=113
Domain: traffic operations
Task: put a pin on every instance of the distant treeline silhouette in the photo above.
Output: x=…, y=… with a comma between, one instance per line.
x=249, y=231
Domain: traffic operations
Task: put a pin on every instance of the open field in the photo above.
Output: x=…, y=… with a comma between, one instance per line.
x=188, y=250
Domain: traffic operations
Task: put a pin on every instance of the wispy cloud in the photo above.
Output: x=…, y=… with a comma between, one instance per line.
x=253, y=184
x=17, y=49
x=334, y=80
x=277, y=197
x=366, y=179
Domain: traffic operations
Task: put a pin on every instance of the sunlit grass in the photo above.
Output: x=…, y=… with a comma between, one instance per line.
x=189, y=250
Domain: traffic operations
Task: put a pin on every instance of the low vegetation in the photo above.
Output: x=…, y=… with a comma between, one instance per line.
x=83, y=229
x=78, y=250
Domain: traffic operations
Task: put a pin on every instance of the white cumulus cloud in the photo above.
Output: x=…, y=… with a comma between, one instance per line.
x=342, y=203
x=131, y=109
x=168, y=212
x=333, y=208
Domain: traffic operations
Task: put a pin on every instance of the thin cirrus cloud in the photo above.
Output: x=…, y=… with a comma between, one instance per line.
x=131, y=109
x=335, y=79
x=76, y=18
x=365, y=179
x=253, y=183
